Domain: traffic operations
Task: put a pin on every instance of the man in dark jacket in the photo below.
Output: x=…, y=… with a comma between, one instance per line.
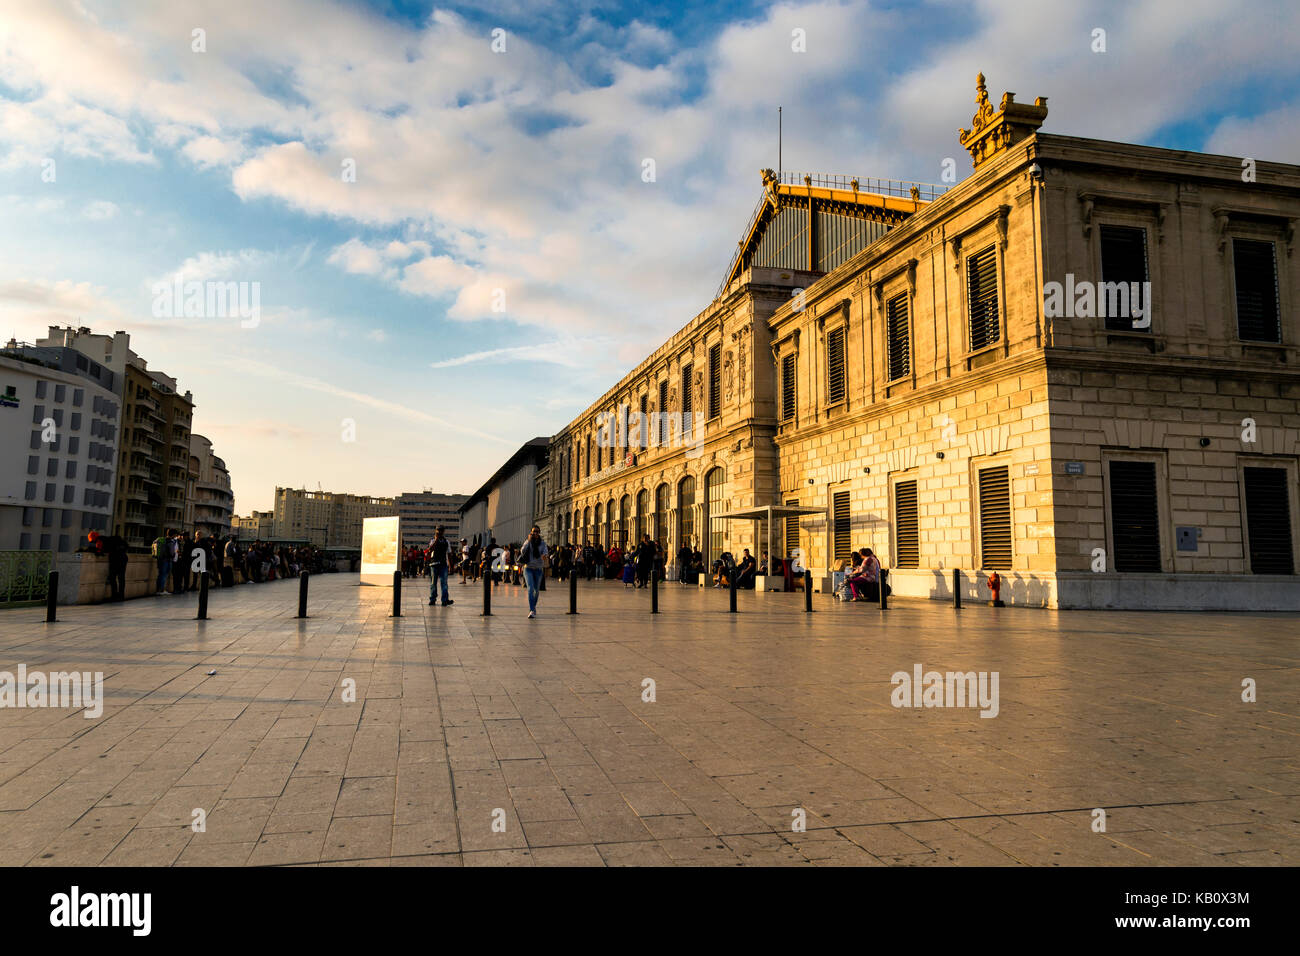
x=439, y=555
x=645, y=558
x=115, y=548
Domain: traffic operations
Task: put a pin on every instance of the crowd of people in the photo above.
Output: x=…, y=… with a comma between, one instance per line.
x=182, y=560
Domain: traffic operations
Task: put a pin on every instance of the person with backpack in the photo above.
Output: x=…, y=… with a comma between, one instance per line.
x=439, y=554
x=534, y=556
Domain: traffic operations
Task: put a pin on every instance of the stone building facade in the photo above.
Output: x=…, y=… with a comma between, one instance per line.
x=1076, y=368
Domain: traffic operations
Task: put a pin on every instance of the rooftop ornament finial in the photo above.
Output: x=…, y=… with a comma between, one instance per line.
x=993, y=131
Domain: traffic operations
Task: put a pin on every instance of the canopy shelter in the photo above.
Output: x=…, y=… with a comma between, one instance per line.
x=769, y=513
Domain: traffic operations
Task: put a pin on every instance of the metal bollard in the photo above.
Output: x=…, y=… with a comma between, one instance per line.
x=807, y=591
x=203, y=598
x=302, y=593
x=573, y=592
x=654, y=590
x=487, y=595
x=956, y=588
x=51, y=596
x=884, y=590
x=397, y=594
x=731, y=586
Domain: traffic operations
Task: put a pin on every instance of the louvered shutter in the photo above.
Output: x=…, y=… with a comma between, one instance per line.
x=715, y=381
x=663, y=413
x=791, y=531
x=787, y=388
x=995, y=519
x=1255, y=269
x=907, y=533
x=982, y=298
x=835, y=367
x=843, y=525
x=1268, y=521
x=1134, y=516
x=899, y=344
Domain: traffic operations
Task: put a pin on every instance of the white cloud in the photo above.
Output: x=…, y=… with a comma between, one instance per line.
x=100, y=209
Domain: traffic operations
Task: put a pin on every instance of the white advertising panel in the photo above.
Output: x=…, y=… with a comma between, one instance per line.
x=380, y=549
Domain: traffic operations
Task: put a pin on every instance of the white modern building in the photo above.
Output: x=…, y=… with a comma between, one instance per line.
x=59, y=425
x=210, y=502
x=504, y=508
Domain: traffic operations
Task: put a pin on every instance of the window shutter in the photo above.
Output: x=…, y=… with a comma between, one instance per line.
x=663, y=413
x=899, y=346
x=995, y=519
x=1255, y=268
x=1268, y=521
x=982, y=298
x=835, y=367
x=645, y=422
x=1123, y=259
x=843, y=525
x=715, y=381
x=791, y=531
x=907, y=534
x=787, y=388
x=1134, y=516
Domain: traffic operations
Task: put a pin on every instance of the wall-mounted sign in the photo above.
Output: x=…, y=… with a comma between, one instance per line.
x=1074, y=468
x=1031, y=469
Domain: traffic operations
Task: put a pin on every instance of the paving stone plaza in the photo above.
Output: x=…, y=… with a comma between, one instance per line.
x=507, y=741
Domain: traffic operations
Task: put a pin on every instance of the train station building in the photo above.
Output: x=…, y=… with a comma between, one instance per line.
x=1078, y=368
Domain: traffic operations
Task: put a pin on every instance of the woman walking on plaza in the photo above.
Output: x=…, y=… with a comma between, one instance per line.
x=533, y=556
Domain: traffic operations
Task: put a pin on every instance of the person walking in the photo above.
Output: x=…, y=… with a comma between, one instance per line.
x=115, y=546
x=439, y=554
x=645, y=557
x=534, y=556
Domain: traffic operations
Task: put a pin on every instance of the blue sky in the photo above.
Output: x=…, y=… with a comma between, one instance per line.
x=499, y=261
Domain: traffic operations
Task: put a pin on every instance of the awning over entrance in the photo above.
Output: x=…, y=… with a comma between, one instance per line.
x=769, y=513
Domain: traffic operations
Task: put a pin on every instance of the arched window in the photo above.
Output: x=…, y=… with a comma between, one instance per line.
x=686, y=512
x=600, y=514
x=660, y=526
x=714, y=525
x=610, y=540
x=642, y=513
x=586, y=524
x=624, y=506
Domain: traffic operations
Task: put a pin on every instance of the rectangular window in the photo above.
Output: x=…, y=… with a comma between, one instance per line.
x=791, y=531
x=38, y=413
x=907, y=530
x=75, y=425
x=1134, y=516
x=1255, y=270
x=663, y=413
x=715, y=381
x=51, y=467
x=1123, y=261
x=71, y=470
x=1268, y=521
x=50, y=490
x=29, y=491
x=33, y=464
x=40, y=388
x=688, y=399
x=787, y=388
x=68, y=492
x=835, y=387
x=982, y=298
x=73, y=444
x=60, y=392
x=995, y=519
x=899, y=346
x=78, y=394
x=843, y=528
x=645, y=422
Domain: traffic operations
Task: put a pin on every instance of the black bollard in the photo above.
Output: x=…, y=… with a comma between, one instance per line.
x=203, y=598
x=731, y=586
x=654, y=591
x=807, y=591
x=884, y=590
x=397, y=594
x=573, y=592
x=302, y=593
x=51, y=596
x=956, y=588
x=487, y=595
